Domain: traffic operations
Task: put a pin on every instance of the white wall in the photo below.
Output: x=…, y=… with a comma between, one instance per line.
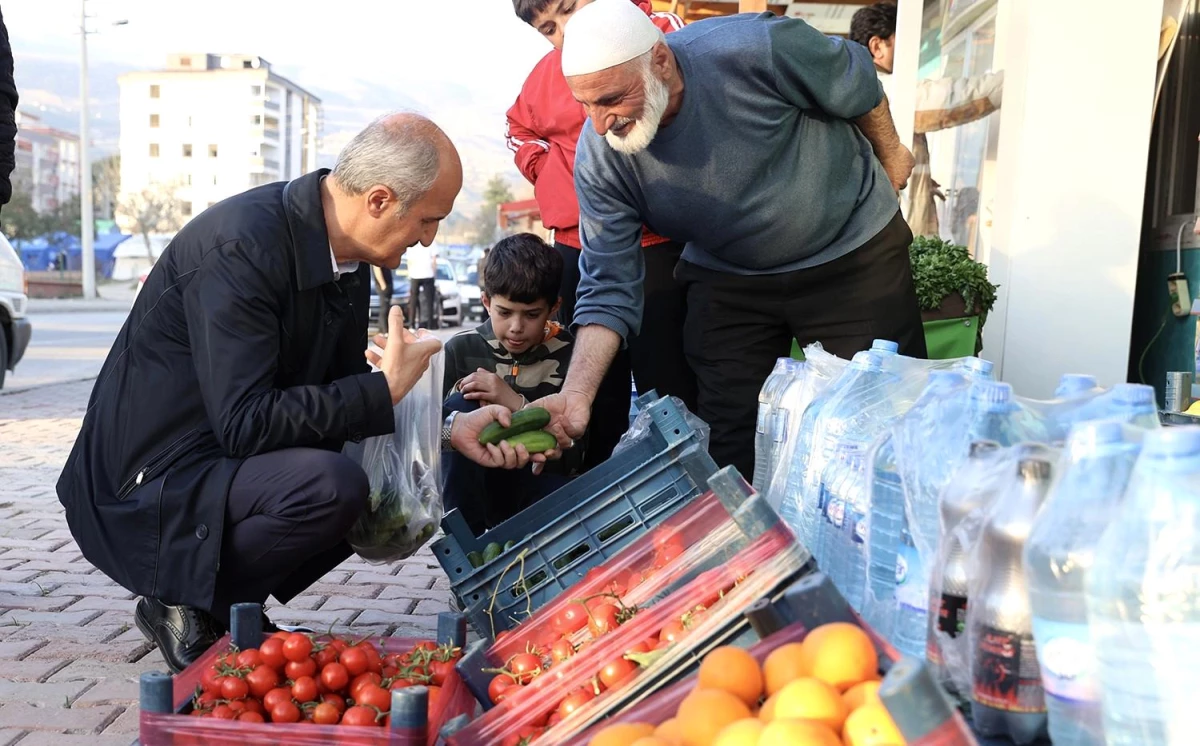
x=1074, y=137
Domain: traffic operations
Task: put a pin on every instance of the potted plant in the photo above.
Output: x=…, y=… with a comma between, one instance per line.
x=955, y=296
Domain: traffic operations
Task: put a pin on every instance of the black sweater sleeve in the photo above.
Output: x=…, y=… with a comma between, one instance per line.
x=8, y=115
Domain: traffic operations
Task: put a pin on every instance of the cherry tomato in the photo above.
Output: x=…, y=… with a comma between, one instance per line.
x=522, y=737
x=325, y=656
x=271, y=653
x=672, y=632
x=603, y=619
x=304, y=689
x=248, y=716
x=645, y=646
x=209, y=680
x=248, y=659
x=297, y=646
x=355, y=660
x=275, y=696
x=440, y=670
x=237, y=705
x=339, y=645
x=255, y=705
x=325, y=714
x=208, y=699
x=296, y=669
x=262, y=680
x=234, y=688
x=359, y=715
x=374, y=696
x=335, y=677
x=425, y=645
x=374, y=661
x=280, y=635
x=524, y=666
x=554, y=719
x=575, y=700
x=336, y=700
x=615, y=671
x=222, y=712
x=571, y=619
x=400, y=684
x=364, y=679
x=285, y=712
x=561, y=650
x=498, y=684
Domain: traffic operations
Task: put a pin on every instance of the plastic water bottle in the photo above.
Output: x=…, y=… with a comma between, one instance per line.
x=1143, y=598
x=1134, y=403
x=1007, y=694
x=765, y=434
x=976, y=368
x=843, y=529
x=1061, y=550
x=1073, y=385
x=885, y=347
x=969, y=493
x=890, y=562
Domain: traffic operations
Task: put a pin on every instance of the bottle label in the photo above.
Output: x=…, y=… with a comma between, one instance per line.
x=1067, y=660
x=836, y=511
x=764, y=413
x=952, y=615
x=909, y=572
x=858, y=526
x=1006, y=673
x=781, y=426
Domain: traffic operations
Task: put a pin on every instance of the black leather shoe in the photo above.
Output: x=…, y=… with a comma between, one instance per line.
x=181, y=632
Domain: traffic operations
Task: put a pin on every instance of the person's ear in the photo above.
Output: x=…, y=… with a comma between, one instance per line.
x=487, y=302
x=660, y=60
x=877, y=45
x=379, y=200
x=554, y=309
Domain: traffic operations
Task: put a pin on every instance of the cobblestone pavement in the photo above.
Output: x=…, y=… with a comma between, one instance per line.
x=70, y=656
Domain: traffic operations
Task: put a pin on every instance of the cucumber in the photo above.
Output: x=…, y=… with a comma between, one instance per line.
x=533, y=418
x=475, y=558
x=508, y=545
x=491, y=552
x=535, y=441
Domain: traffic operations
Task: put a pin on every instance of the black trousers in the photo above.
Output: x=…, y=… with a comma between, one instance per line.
x=738, y=325
x=286, y=521
x=421, y=298
x=655, y=356
x=383, y=285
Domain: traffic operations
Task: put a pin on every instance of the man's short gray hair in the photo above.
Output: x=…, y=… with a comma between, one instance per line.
x=398, y=151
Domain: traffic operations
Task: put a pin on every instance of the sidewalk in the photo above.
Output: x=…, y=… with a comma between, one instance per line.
x=113, y=296
x=70, y=656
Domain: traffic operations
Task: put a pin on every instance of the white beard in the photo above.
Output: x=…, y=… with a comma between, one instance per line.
x=642, y=133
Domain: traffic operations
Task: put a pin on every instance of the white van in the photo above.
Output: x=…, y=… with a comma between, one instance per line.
x=15, y=329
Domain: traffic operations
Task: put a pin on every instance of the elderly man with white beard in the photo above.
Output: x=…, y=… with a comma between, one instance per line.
x=768, y=148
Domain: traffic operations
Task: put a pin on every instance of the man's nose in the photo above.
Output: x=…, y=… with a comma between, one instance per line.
x=603, y=122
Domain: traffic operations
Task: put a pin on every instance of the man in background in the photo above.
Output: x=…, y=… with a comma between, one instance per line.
x=422, y=274
x=8, y=115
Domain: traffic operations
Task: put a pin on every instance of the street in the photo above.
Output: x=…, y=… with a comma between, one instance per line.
x=69, y=655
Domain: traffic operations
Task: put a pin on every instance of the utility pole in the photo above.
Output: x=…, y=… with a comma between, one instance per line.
x=87, y=225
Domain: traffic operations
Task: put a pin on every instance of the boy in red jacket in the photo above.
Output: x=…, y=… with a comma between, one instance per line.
x=543, y=127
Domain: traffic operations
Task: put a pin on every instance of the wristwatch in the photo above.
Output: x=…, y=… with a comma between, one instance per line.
x=447, y=429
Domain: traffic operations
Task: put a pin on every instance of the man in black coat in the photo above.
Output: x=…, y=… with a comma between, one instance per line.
x=8, y=115
x=209, y=469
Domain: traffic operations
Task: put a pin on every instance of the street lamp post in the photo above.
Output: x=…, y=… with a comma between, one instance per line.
x=87, y=224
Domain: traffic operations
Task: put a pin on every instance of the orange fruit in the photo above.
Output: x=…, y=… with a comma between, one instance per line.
x=767, y=713
x=733, y=670
x=740, y=733
x=784, y=665
x=840, y=654
x=871, y=725
x=704, y=712
x=860, y=694
x=621, y=734
x=797, y=733
x=654, y=741
x=670, y=730
x=811, y=699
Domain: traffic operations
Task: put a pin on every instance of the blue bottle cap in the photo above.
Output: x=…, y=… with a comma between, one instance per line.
x=1133, y=395
x=1074, y=383
x=977, y=366
x=886, y=346
x=1172, y=443
x=994, y=395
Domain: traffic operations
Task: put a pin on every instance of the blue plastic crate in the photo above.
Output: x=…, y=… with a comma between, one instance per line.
x=578, y=527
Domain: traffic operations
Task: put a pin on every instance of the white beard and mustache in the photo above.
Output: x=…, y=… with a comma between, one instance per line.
x=642, y=133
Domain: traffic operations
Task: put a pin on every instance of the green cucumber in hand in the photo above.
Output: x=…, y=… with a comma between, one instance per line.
x=523, y=421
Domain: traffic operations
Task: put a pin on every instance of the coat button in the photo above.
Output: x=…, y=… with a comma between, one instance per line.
x=201, y=532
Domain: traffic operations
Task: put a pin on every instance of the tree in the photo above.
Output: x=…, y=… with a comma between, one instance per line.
x=153, y=210
x=487, y=225
x=19, y=220
x=106, y=186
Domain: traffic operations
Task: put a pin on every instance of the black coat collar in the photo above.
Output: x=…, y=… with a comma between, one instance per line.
x=310, y=239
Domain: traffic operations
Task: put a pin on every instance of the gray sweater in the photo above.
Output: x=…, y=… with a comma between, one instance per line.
x=761, y=172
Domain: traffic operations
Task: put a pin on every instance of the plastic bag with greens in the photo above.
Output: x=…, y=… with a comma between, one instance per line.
x=404, y=469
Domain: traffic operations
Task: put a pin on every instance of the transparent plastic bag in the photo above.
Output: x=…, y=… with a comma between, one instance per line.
x=404, y=469
x=643, y=421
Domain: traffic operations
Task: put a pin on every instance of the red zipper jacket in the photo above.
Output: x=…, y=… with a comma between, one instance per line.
x=543, y=128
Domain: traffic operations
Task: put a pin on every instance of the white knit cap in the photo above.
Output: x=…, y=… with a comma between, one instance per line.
x=605, y=34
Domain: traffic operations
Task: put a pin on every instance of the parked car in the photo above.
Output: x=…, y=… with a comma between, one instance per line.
x=448, y=308
x=15, y=329
x=448, y=294
x=472, y=295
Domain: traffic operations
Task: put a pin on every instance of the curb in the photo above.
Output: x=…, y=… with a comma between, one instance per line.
x=53, y=305
x=40, y=386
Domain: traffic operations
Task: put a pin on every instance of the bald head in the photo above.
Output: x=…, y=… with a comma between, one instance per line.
x=393, y=185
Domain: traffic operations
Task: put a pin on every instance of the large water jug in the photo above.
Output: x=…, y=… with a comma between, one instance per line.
x=767, y=437
x=1085, y=495
x=1143, y=597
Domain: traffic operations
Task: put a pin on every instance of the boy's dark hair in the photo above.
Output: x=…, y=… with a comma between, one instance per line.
x=874, y=20
x=523, y=268
x=527, y=10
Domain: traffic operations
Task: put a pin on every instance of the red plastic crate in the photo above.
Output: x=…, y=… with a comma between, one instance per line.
x=162, y=729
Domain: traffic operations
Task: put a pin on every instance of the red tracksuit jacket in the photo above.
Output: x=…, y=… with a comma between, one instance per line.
x=543, y=128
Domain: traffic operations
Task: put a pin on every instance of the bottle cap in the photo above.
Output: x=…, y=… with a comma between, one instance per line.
x=977, y=366
x=885, y=346
x=1172, y=442
x=994, y=395
x=1075, y=383
x=1133, y=395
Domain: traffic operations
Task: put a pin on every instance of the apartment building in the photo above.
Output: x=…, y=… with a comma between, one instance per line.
x=212, y=125
x=47, y=163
